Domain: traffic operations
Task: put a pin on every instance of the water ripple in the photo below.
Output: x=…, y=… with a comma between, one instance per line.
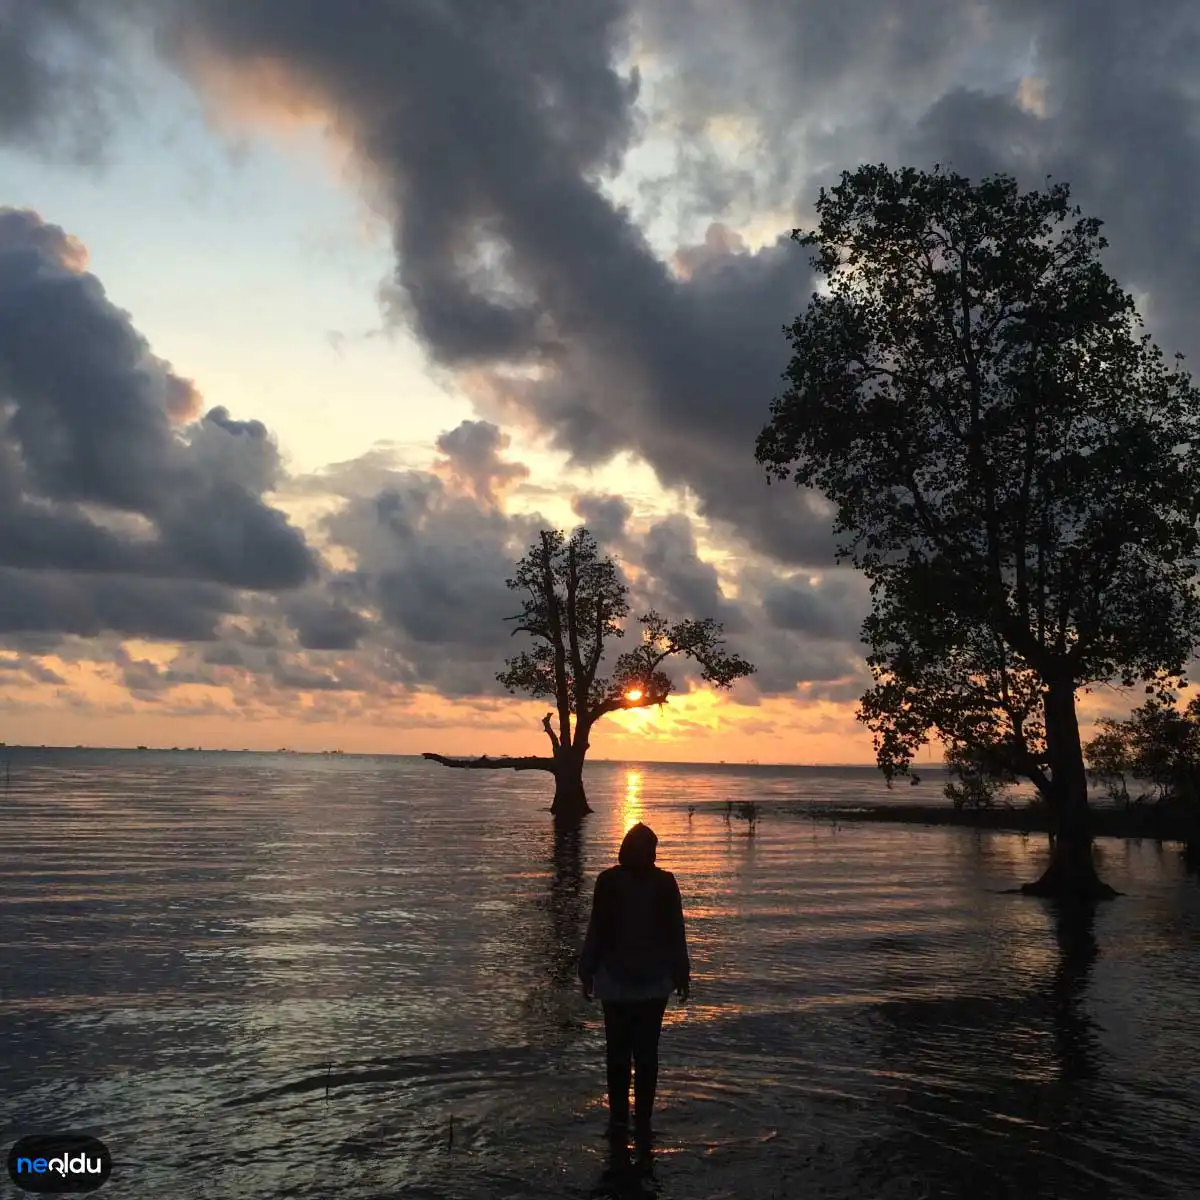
x=273, y=976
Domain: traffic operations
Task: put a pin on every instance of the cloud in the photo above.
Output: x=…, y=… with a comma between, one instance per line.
x=29, y=666
x=324, y=623
x=674, y=578
x=800, y=631
x=56, y=61
x=489, y=131
x=431, y=564
x=493, y=132
x=1121, y=124
x=62, y=602
x=605, y=516
x=423, y=604
x=493, y=135
x=121, y=509
x=473, y=461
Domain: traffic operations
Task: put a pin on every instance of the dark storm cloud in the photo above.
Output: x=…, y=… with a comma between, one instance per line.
x=432, y=563
x=424, y=601
x=938, y=81
x=677, y=580
x=604, y=516
x=48, y=602
x=56, y=76
x=488, y=128
x=832, y=608
x=430, y=558
x=109, y=487
x=489, y=123
x=1122, y=126
x=326, y=623
x=476, y=113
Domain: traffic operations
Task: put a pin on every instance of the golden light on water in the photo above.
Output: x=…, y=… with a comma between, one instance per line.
x=631, y=810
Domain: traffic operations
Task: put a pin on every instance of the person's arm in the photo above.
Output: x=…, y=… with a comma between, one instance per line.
x=589, y=958
x=681, y=966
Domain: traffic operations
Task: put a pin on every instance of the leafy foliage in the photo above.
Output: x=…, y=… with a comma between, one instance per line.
x=1014, y=465
x=1159, y=744
x=575, y=604
x=977, y=777
x=1109, y=758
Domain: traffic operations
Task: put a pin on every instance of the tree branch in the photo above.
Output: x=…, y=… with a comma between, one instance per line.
x=593, y=663
x=484, y=763
x=573, y=631
x=1023, y=516
x=562, y=695
x=620, y=704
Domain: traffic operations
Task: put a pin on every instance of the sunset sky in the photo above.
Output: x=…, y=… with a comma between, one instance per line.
x=313, y=312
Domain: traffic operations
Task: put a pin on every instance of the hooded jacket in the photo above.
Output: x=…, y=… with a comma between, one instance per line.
x=636, y=931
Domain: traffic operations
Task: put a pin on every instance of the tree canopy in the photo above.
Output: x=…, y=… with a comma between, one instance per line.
x=1013, y=463
x=576, y=602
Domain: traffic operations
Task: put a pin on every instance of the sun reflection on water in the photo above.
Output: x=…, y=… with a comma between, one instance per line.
x=631, y=810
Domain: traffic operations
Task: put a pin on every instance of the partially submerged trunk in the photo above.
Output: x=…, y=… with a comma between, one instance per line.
x=1071, y=873
x=570, y=799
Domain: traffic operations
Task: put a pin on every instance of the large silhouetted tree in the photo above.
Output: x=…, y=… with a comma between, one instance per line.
x=575, y=606
x=1014, y=467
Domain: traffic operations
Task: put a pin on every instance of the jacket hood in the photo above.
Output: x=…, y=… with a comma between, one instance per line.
x=639, y=847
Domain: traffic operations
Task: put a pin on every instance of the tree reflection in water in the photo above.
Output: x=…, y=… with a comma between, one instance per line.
x=992, y=1096
x=551, y=1012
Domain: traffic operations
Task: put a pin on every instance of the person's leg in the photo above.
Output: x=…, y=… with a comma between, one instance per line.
x=647, y=1027
x=618, y=1035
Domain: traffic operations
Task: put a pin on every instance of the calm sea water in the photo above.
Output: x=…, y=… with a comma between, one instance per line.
x=261, y=976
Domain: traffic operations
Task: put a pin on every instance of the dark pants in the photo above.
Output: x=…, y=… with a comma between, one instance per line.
x=631, y=1031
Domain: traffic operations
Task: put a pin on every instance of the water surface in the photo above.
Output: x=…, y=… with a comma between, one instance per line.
x=263, y=976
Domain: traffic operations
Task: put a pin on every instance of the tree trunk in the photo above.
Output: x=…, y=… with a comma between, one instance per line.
x=1071, y=874
x=570, y=800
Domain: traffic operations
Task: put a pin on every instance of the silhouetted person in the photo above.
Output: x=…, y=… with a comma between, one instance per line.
x=634, y=956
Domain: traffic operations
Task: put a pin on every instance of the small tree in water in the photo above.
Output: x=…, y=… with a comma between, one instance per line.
x=1014, y=467
x=575, y=606
x=1158, y=744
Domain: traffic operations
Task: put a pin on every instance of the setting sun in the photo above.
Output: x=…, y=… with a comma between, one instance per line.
x=634, y=694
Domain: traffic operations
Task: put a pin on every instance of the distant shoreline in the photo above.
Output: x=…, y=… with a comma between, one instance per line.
x=1144, y=821
x=335, y=753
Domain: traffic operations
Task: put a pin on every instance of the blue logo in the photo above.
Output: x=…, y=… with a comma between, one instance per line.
x=59, y=1162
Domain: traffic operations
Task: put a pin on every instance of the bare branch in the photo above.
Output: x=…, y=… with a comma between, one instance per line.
x=484, y=763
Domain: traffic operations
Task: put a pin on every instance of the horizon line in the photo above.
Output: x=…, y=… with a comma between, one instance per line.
x=335, y=753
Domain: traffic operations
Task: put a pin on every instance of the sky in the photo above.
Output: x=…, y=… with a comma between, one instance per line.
x=313, y=313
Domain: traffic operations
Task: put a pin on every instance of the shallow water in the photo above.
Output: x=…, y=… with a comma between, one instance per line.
x=262, y=976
